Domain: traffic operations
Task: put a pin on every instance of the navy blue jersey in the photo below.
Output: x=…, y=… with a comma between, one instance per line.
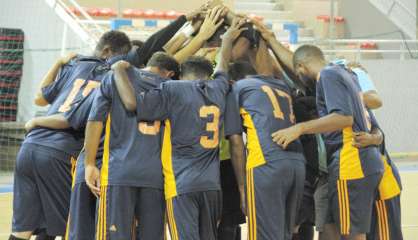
x=77, y=118
x=193, y=113
x=338, y=93
x=74, y=81
x=132, y=150
x=259, y=106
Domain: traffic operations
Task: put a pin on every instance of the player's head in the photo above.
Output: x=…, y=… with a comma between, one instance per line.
x=112, y=43
x=240, y=70
x=195, y=68
x=164, y=65
x=240, y=49
x=308, y=60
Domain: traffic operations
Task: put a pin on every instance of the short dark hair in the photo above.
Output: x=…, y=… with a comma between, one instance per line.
x=118, y=42
x=307, y=53
x=137, y=43
x=240, y=70
x=164, y=61
x=198, y=66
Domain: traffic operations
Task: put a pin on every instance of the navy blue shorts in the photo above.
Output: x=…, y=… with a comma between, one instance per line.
x=81, y=220
x=194, y=215
x=42, y=189
x=274, y=194
x=352, y=201
x=386, y=221
x=124, y=211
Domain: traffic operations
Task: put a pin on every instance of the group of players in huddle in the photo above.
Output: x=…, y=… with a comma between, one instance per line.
x=251, y=132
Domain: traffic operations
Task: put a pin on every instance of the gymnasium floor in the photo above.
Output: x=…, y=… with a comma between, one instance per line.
x=409, y=174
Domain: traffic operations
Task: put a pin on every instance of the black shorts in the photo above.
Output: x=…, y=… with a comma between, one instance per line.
x=306, y=213
x=386, y=221
x=322, y=204
x=231, y=210
x=352, y=202
x=42, y=189
x=274, y=194
x=121, y=208
x=81, y=221
x=194, y=215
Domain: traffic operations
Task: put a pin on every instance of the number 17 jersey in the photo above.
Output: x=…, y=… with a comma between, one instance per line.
x=193, y=113
x=260, y=106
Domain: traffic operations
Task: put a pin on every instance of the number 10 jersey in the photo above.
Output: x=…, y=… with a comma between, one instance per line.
x=193, y=114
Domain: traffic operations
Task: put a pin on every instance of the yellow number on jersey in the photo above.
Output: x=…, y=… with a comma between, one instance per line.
x=74, y=91
x=277, y=111
x=147, y=129
x=213, y=126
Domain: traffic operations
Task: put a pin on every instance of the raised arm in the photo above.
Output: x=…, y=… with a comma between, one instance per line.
x=182, y=36
x=227, y=43
x=284, y=55
x=212, y=22
x=49, y=78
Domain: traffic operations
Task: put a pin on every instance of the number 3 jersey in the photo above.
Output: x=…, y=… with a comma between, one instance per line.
x=131, y=149
x=74, y=81
x=193, y=114
x=260, y=106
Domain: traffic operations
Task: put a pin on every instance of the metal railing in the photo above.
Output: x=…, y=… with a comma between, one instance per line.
x=340, y=46
x=88, y=33
x=404, y=21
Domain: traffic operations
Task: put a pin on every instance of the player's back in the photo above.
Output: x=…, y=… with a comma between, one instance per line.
x=265, y=106
x=132, y=150
x=193, y=123
x=74, y=82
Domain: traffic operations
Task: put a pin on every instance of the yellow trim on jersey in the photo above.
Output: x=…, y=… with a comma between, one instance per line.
x=344, y=206
x=73, y=171
x=388, y=186
x=101, y=230
x=350, y=163
x=251, y=207
x=255, y=156
x=104, y=173
x=170, y=188
x=67, y=228
x=172, y=220
x=382, y=220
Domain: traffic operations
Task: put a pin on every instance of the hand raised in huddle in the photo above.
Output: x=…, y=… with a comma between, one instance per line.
x=266, y=33
x=199, y=12
x=212, y=22
x=234, y=30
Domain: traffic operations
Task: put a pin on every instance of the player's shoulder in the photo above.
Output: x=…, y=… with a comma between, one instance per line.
x=336, y=74
x=257, y=81
x=179, y=84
